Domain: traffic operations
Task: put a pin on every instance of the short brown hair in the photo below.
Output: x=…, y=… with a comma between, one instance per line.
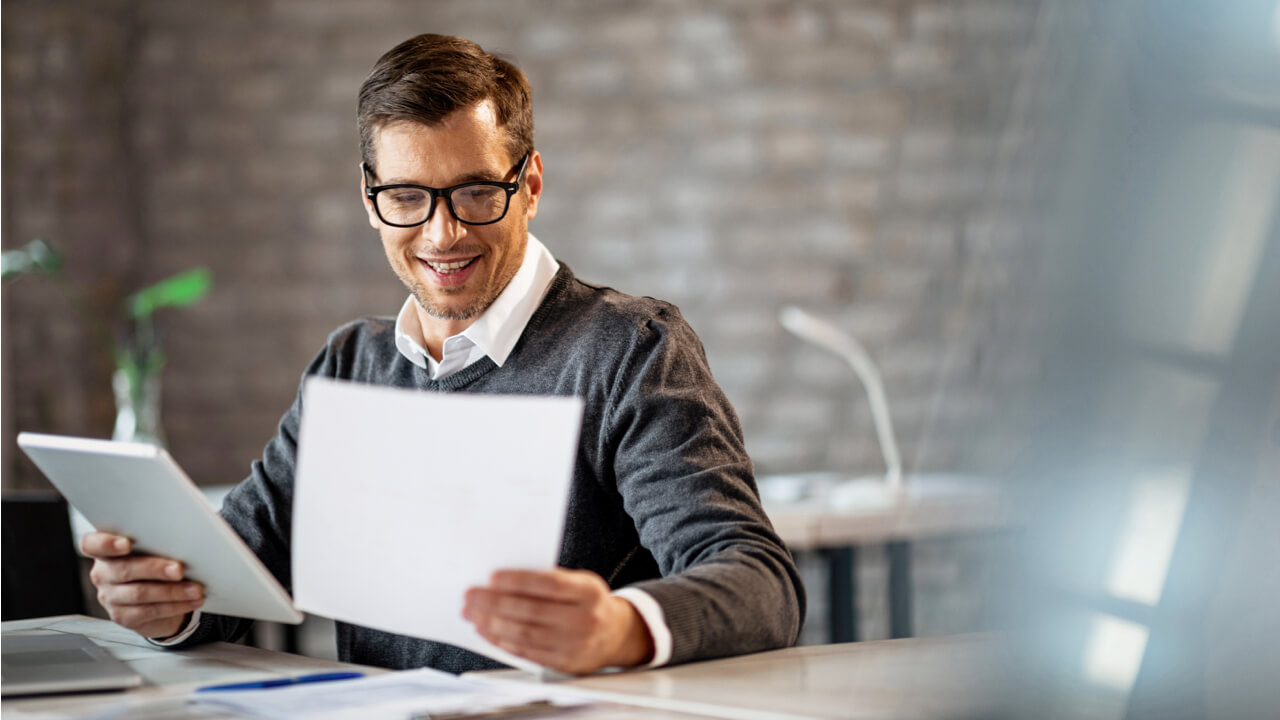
x=427, y=77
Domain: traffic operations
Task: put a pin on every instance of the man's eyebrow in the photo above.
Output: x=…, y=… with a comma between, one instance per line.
x=477, y=176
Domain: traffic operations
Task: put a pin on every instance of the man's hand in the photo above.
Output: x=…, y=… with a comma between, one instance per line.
x=144, y=593
x=566, y=620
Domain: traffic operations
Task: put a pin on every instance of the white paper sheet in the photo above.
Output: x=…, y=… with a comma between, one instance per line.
x=396, y=695
x=405, y=499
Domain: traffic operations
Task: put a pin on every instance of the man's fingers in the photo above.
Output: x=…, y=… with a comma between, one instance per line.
x=145, y=593
x=99, y=544
x=563, y=619
x=555, y=659
x=499, y=630
x=560, y=584
x=142, y=618
x=132, y=569
x=528, y=609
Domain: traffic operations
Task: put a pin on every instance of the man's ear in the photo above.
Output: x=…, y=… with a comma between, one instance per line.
x=368, y=204
x=533, y=183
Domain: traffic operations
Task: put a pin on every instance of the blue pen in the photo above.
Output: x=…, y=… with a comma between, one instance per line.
x=282, y=682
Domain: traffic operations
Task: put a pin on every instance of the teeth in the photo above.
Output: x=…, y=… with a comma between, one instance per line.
x=449, y=268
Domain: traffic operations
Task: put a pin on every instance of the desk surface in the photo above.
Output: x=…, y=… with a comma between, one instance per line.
x=944, y=677
x=170, y=675
x=949, y=677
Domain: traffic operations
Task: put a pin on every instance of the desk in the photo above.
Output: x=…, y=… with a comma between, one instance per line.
x=827, y=513
x=170, y=675
x=944, y=677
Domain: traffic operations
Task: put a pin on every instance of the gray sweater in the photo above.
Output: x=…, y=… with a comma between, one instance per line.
x=662, y=496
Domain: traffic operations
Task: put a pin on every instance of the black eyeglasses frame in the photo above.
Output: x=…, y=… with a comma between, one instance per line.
x=511, y=188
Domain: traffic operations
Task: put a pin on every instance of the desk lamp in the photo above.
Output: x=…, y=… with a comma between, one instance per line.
x=865, y=493
x=828, y=336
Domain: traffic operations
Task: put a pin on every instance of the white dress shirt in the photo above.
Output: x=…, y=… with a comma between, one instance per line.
x=493, y=335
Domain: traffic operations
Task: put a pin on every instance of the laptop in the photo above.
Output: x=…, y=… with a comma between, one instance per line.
x=60, y=663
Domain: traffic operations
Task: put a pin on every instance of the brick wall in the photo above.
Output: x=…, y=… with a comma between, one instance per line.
x=731, y=157
x=728, y=156
x=69, y=177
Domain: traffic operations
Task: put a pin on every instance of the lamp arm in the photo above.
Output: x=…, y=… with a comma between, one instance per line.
x=827, y=336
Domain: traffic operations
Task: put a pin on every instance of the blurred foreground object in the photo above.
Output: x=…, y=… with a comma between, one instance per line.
x=1149, y=476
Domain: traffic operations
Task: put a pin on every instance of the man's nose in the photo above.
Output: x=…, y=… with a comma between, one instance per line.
x=443, y=230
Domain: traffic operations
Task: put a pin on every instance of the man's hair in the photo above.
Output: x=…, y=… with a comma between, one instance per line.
x=425, y=78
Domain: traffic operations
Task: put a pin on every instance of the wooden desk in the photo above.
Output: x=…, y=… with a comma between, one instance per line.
x=943, y=677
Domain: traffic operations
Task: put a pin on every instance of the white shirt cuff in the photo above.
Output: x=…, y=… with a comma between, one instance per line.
x=186, y=632
x=654, y=619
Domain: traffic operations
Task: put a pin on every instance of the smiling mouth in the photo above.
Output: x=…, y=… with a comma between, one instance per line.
x=449, y=268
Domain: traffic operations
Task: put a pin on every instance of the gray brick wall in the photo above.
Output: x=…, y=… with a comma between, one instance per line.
x=730, y=157
x=68, y=178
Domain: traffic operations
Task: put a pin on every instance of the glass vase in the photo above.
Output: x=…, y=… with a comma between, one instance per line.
x=137, y=408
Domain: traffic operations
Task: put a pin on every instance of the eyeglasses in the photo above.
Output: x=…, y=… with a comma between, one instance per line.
x=474, y=203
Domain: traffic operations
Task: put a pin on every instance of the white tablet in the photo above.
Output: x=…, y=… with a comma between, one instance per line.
x=138, y=491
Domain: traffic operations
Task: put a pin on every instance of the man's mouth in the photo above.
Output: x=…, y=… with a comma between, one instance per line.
x=449, y=268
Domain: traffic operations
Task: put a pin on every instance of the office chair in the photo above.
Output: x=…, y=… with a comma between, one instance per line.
x=41, y=568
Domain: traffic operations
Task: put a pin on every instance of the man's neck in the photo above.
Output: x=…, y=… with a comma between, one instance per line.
x=436, y=330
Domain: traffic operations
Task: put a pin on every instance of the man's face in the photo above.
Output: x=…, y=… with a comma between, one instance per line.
x=468, y=146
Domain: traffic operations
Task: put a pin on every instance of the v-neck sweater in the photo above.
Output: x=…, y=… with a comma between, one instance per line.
x=662, y=497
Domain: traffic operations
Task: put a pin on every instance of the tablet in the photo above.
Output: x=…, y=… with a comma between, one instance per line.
x=138, y=491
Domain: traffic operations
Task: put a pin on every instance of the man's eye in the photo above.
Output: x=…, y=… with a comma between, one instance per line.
x=480, y=193
x=406, y=197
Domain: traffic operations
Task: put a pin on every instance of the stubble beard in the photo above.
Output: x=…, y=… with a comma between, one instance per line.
x=442, y=311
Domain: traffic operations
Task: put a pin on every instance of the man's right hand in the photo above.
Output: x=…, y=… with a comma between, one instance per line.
x=144, y=593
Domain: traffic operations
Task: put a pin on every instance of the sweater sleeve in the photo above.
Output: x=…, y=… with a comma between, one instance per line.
x=729, y=585
x=260, y=510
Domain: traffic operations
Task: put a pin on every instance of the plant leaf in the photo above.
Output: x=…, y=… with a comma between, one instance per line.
x=181, y=290
x=35, y=256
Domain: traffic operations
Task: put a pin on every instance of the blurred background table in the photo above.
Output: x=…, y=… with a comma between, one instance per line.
x=831, y=515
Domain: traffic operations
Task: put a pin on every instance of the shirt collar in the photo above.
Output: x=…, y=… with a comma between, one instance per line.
x=500, y=326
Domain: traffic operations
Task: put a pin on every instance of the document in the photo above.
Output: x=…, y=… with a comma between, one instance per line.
x=405, y=499
x=399, y=695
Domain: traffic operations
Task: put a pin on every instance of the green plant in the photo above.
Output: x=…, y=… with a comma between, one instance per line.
x=138, y=353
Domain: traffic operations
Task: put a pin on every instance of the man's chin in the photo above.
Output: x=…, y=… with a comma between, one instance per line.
x=452, y=311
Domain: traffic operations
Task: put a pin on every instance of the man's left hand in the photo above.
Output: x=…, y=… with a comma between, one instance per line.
x=566, y=620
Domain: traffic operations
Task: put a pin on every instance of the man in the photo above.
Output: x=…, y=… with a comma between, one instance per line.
x=667, y=556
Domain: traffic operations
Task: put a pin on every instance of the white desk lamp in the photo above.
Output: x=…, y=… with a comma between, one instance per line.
x=828, y=336
x=874, y=493
x=831, y=511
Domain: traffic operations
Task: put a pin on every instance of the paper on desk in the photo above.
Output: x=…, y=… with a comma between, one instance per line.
x=405, y=499
x=390, y=695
